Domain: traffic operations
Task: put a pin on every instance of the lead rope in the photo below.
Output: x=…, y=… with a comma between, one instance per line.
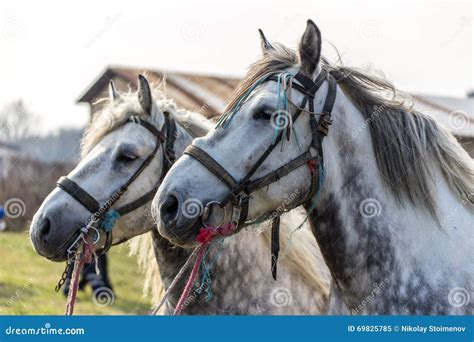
x=201, y=251
x=174, y=282
x=205, y=237
x=81, y=259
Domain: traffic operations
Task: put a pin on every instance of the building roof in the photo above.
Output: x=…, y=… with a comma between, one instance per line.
x=457, y=114
x=204, y=93
x=209, y=94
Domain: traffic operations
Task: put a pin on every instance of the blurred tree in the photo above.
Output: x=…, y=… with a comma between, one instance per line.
x=16, y=121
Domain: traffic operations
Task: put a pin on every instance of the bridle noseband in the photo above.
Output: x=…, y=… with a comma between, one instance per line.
x=165, y=138
x=239, y=191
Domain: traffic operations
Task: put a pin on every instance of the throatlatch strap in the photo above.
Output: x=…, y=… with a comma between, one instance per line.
x=170, y=155
x=275, y=245
x=78, y=194
x=326, y=120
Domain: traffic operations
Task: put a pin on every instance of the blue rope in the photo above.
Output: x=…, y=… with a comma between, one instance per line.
x=206, y=271
x=277, y=119
x=110, y=218
x=226, y=118
x=282, y=84
x=206, y=281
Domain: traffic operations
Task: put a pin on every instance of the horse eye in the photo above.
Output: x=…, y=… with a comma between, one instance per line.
x=126, y=157
x=264, y=114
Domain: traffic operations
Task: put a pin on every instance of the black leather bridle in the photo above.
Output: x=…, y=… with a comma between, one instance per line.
x=165, y=138
x=239, y=191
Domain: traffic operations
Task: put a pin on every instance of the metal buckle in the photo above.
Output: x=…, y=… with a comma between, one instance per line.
x=207, y=211
x=135, y=119
x=97, y=235
x=72, y=250
x=237, y=211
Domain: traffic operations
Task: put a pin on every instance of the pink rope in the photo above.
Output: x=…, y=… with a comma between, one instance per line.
x=192, y=278
x=205, y=236
x=86, y=257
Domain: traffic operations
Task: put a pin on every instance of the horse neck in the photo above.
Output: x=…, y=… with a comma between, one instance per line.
x=364, y=248
x=171, y=258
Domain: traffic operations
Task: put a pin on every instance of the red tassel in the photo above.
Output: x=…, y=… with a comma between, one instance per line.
x=313, y=166
x=206, y=234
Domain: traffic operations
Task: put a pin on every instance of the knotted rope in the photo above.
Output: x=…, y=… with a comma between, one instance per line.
x=205, y=237
x=201, y=250
x=85, y=257
x=82, y=258
x=110, y=218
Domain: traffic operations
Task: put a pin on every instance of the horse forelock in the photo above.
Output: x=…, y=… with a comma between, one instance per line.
x=408, y=145
x=275, y=60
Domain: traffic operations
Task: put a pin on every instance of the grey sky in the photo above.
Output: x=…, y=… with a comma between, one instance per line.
x=52, y=50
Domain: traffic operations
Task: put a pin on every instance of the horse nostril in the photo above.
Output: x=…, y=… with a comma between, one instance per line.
x=169, y=210
x=45, y=229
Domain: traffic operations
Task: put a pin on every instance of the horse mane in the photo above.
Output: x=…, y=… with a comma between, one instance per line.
x=405, y=141
x=141, y=246
x=115, y=113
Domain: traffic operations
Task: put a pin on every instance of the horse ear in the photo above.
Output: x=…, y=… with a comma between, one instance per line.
x=144, y=94
x=264, y=43
x=309, y=49
x=113, y=93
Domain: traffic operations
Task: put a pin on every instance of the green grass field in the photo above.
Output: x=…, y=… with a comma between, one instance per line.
x=27, y=282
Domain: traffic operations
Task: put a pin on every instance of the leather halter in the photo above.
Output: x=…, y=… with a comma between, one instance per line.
x=240, y=190
x=165, y=138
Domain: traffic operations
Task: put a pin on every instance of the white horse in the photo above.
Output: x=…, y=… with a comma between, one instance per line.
x=393, y=206
x=113, y=148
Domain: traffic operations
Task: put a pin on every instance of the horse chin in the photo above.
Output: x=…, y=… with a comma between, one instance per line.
x=185, y=238
x=59, y=256
x=61, y=253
